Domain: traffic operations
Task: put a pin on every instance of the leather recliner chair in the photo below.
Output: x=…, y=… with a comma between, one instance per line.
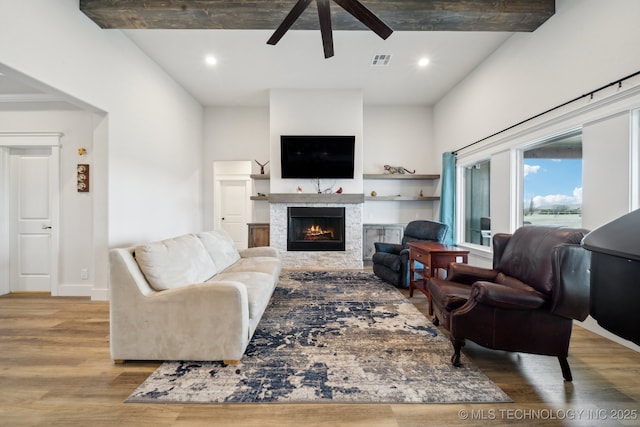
x=527, y=302
x=391, y=260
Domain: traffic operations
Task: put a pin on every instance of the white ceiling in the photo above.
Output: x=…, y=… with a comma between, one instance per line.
x=247, y=67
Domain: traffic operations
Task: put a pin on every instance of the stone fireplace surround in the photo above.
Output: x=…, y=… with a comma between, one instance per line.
x=350, y=258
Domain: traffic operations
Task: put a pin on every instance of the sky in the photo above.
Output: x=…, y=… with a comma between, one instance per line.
x=553, y=182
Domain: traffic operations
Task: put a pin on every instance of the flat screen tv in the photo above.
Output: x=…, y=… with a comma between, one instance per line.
x=317, y=156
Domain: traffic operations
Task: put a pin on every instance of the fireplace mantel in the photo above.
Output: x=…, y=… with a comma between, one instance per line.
x=315, y=198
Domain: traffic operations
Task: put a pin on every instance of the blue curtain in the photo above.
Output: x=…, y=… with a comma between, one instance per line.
x=448, y=196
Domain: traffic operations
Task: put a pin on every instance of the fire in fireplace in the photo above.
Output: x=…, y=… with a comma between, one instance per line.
x=315, y=229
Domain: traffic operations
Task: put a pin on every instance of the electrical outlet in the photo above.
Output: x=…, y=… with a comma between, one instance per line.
x=84, y=274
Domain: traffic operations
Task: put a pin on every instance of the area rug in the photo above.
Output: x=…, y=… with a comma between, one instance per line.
x=331, y=337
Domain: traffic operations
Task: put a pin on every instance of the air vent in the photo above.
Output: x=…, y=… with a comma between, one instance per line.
x=380, y=60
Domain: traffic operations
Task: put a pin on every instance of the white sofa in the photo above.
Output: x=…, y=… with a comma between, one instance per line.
x=192, y=297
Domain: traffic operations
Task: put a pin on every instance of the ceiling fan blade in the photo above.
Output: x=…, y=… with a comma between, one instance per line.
x=368, y=18
x=288, y=21
x=324, y=13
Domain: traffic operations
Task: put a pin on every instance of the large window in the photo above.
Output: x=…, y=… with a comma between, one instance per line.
x=477, y=219
x=552, y=182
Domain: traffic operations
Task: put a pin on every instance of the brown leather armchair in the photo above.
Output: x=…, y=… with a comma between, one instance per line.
x=526, y=303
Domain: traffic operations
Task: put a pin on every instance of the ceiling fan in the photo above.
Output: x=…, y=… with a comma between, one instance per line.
x=354, y=7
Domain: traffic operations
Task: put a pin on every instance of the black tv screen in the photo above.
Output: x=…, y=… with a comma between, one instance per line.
x=317, y=156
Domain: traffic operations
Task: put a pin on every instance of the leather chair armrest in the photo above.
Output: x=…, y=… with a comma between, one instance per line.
x=572, y=274
x=495, y=295
x=390, y=248
x=468, y=274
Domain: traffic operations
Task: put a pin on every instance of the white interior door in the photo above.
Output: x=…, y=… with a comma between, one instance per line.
x=234, y=214
x=32, y=201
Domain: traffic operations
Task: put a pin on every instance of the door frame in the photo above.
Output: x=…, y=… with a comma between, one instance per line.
x=25, y=140
x=230, y=171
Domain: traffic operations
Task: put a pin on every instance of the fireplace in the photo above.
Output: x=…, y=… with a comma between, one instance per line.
x=315, y=229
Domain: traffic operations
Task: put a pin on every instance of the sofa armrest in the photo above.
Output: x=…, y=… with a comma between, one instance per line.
x=267, y=251
x=572, y=275
x=390, y=248
x=207, y=321
x=469, y=274
x=496, y=295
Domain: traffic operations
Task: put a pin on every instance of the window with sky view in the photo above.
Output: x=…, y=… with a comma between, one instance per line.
x=552, y=192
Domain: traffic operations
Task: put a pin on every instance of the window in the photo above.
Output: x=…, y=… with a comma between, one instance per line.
x=552, y=182
x=477, y=220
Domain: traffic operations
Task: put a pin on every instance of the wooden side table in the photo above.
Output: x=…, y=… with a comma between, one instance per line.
x=432, y=256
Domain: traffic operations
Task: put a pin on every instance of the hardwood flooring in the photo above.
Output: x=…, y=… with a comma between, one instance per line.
x=55, y=370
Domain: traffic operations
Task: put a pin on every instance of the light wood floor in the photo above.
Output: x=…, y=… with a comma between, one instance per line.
x=55, y=370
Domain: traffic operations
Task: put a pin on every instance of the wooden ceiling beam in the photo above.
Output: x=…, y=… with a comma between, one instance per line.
x=400, y=15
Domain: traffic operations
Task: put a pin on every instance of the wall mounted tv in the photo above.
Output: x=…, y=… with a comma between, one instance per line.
x=317, y=156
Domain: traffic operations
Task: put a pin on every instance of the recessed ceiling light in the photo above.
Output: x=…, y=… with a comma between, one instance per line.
x=211, y=60
x=423, y=62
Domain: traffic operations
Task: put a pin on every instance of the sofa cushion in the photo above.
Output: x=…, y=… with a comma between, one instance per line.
x=174, y=263
x=259, y=286
x=221, y=248
x=259, y=264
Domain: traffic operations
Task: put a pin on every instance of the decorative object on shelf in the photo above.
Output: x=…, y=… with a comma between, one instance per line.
x=327, y=190
x=299, y=189
x=261, y=195
x=397, y=169
x=339, y=190
x=83, y=178
x=262, y=165
x=374, y=194
x=421, y=193
x=82, y=151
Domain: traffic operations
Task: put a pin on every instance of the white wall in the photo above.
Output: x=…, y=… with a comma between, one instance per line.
x=586, y=45
x=400, y=135
x=151, y=171
x=154, y=126
x=76, y=209
x=606, y=183
x=235, y=133
x=315, y=112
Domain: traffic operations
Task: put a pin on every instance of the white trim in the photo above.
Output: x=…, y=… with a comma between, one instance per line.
x=5, y=252
x=30, y=139
x=460, y=205
x=10, y=140
x=634, y=160
x=231, y=171
x=516, y=216
x=74, y=290
x=54, y=180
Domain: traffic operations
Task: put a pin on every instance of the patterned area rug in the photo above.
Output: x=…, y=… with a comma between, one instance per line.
x=331, y=337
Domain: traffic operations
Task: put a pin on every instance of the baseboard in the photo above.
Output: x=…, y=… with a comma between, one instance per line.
x=74, y=290
x=100, y=294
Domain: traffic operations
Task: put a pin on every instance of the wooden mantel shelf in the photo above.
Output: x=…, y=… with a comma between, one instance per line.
x=315, y=198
